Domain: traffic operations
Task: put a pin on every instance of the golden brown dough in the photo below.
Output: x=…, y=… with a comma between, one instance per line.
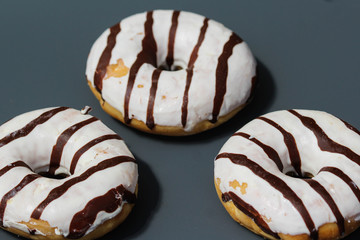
x=158, y=129
x=328, y=231
x=49, y=232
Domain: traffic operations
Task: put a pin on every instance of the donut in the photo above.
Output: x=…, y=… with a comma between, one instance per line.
x=292, y=174
x=171, y=72
x=63, y=175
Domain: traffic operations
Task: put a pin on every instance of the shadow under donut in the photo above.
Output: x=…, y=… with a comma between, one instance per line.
x=263, y=98
x=149, y=195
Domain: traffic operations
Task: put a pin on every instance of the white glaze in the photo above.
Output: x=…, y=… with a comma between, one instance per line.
x=35, y=150
x=171, y=85
x=268, y=201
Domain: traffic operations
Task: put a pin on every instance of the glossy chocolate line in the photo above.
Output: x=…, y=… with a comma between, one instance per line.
x=89, y=145
x=250, y=211
x=64, y=137
x=105, y=58
x=150, y=123
x=290, y=143
x=190, y=71
x=13, y=165
x=172, y=35
x=345, y=178
x=60, y=190
x=30, y=126
x=86, y=110
x=109, y=202
x=352, y=128
x=270, y=152
x=276, y=183
x=147, y=55
x=222, y=69
x=25, y=181
x=325, y=143
x=330, y=202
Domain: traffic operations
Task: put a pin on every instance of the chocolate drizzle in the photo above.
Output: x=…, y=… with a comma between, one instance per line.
x=290, y=143
x=330, y=202
x=272, y=154
x=25, y=181
x=150, y=123
x=60, y=190
x=276, y=183
x=105, y=58
x=352, y=128
x=249, y=210
x=345, y=178
x=147, y=55
x=171, y=43
x=30, y=126
x=13, y=165
x=190, y=71
x=61, y=142
x=324, y=142
x=222, y=73
x=87, y=146
x=108, y=202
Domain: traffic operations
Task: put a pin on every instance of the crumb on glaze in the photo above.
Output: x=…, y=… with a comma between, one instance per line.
x=116, y=70
x=266, y=219
x=234, y=184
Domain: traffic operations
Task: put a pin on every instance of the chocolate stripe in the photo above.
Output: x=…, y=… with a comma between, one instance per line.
x=150, y=123
x=89, y=145
x=222, y=69
x=290, y=143
x=272, y=154
x=61, y=142
x=25, y=181
x=276, y=183
x=349, y=126
x=30, y=126
x=105, y=58
x=250, y=211
x=172, y=35
x=13, y=165
x=147, y=55
x=190, y=71
x=330, y=202
x=108, y=202
x=345, y=178
x=325, y=143
x=60, y=190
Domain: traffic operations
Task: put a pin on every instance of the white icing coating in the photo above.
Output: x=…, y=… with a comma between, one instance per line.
x=171, y=84
x=278, y=212
x=35, y=150
x=85, y=110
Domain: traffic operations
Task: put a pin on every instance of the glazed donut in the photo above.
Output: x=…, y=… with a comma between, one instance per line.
x=171, y=72
x=292, y=175
x=63, y=175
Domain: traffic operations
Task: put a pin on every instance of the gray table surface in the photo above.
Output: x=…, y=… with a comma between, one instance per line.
x=308, y=53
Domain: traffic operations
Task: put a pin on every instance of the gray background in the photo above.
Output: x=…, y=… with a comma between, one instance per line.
x=308, y=53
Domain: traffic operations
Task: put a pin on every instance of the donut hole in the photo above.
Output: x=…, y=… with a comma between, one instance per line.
x=173, y=68
x=293, y=174
x=52, y=176
x=61, y=173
